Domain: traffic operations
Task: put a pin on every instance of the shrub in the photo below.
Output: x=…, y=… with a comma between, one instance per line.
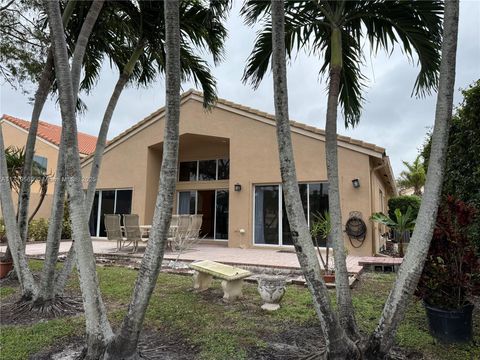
x=3, y=236
x=451, y=274
x=66, y=224
x=403, y=203
x=38, y=230
x=462, y=171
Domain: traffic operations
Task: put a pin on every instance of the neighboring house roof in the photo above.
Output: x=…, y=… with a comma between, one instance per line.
x=52, y=134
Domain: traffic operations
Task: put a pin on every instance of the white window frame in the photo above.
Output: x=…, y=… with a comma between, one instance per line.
x=280, y=210
x=99, y=205
x=196, y=207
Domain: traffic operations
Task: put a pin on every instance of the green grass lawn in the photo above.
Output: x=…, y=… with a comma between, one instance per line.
x=223, y=331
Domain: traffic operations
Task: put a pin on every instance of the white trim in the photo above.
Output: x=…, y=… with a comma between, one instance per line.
x=115, y=202
x=308, y=205
x=280, y=214
x=215, y=217
x=99, y=207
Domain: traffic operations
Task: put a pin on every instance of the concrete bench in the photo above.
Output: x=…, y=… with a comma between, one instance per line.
x=232, y=277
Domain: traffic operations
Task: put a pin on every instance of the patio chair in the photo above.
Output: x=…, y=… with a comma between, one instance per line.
x=172, y=231
x=195, y=226
x=114, y=230
x=181, y=232
x=132, y=230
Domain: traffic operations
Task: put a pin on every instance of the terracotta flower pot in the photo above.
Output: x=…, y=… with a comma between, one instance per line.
x=329, y=278
x=5, y=268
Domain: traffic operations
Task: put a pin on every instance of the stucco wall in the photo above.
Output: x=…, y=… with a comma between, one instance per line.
x=14, y=136
x=252, y=148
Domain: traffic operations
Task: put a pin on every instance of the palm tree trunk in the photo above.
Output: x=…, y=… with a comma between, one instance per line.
x=338, y=344
x=43, y=193
x=382, y=339
x=98, y=156
x=62, y=276
x=20, y=262
x=56, y=218
x=107, y=117
x=46, y=80
x=344, y=298
x=54, y=230
x=98, y=329
x=125, y=343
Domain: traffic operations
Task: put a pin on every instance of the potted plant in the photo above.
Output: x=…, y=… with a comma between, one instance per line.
x=451, y=274
x=320, y=230
x=401, y=226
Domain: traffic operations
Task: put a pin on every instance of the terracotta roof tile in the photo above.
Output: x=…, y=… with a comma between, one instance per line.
x=52, y=134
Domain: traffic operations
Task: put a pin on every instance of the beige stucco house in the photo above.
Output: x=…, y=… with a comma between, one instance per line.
x=15, y=133
x=229, y=172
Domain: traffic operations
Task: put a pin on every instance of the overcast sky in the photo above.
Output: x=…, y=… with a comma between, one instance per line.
x=391, y=117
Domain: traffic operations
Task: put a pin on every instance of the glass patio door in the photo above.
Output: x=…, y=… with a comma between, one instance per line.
x=212, y=204
x=114, y=201
x=271, y=225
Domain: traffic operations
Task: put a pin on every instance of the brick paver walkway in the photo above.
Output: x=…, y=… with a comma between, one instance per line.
x=234, y=256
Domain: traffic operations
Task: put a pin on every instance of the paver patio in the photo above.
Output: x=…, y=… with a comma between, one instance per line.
x=234, y=256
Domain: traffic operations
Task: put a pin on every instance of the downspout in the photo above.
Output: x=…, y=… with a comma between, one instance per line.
x=372, y=202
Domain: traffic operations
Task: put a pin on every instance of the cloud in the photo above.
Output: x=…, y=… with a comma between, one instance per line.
x=391, y=117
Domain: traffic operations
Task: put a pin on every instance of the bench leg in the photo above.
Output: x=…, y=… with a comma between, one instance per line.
x=201, y=281
x=232, y=289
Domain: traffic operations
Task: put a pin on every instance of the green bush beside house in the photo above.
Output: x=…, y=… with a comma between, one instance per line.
x=403, y=203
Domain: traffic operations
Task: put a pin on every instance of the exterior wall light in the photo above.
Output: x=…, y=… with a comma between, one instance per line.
x=356, y=183
x=238, y=187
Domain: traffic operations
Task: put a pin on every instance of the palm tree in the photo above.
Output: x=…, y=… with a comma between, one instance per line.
x=409, y=273
x=414, y=177
x=98, y=329
x=301, y=237
x=333, y=31
x=202, y=29
x=125, y=343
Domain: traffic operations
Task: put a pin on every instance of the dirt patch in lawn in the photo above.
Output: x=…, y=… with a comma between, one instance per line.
x=307, y=342
x=291, y=342
x=154, y=344
x=15, y=311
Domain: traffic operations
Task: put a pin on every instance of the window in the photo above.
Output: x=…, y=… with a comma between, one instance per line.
x=40, y=165
x=223, y=169
x=212, y=204
x=204, y=170
x=271, y=222
x=188, y=171
x=110, y=201
x=207, y=170
x=187, y=202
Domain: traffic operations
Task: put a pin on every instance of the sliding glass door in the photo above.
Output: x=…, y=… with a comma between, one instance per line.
x=212, y=204
x=112, y=201
x=271, y=225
